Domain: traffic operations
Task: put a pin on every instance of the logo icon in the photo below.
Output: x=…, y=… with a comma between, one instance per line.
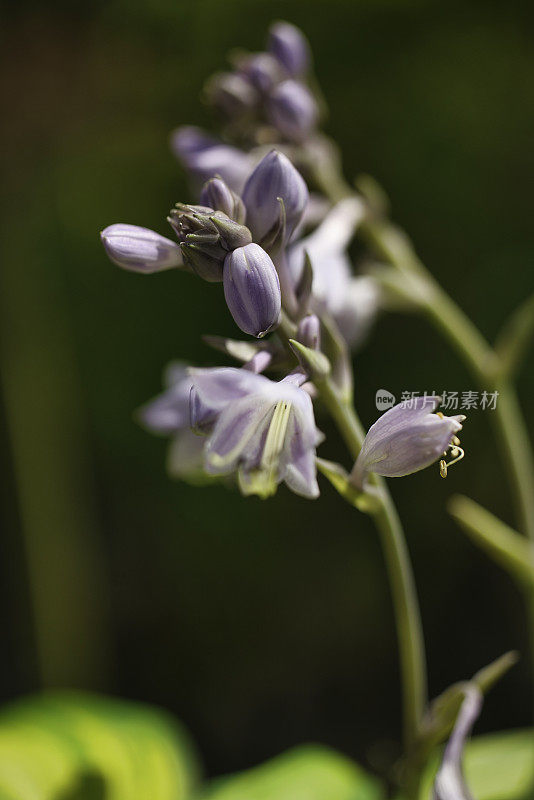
x=384, y=400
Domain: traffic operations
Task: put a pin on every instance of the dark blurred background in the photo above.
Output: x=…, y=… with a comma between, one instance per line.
x=259, y=624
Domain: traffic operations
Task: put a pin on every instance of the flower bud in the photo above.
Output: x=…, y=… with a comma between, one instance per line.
x=231, y=94
x=252, y=290
x=140, y=249
x=231, y=233
x=262, y=70
x=309, y=332
x=217, y=195
x=288, y=44
x=292, y=110
x=273, y=179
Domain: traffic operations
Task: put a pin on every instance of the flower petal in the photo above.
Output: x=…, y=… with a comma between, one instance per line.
x=233, y=431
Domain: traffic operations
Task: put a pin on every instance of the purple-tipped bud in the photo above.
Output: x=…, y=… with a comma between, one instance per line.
x=217, y=195
x=262, y=70
x=274, y=178
x=289, y=45
x=252, y=290
x=407, y=438
x=140, y=249
x=309, y=332
x=292, y=110
x=231, y=93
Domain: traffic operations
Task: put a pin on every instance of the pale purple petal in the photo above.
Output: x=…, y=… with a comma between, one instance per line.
x=449, y=783
x=240, y=422
x=356, y=313
x=301, y=475
x=205, y=157
x=185, y=457
x=169, y=411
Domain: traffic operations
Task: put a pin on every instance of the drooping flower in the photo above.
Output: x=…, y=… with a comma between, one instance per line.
x=351, y=301
x=288, y=44
x=252, y=290
x=274, y=179
x=140, y=249
x=264, y=430
x=406, y=439
x=449, y=783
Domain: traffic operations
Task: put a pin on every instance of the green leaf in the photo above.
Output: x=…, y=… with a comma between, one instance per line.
x=62, y=746
x=507, y=547
x=497, y=767
x=310, y=772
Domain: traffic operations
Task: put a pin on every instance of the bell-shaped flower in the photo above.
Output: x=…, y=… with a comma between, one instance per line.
x=264, y=430
x=274, y=179
x=407, y=438
x=351, y=301
x=292, y=110
x=140, y=249
x=252, y=290
x=289, y=45
x=204, y=157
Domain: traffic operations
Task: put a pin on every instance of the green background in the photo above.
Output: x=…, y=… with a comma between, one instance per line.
x=260, y=624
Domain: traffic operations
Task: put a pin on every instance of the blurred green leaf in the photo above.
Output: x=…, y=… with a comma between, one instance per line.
x=310, y=772
x=497, y=767
x=67, y=746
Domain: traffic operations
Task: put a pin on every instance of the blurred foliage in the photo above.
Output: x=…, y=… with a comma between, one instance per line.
x=260, y=625
x=83, y=747
x=305, y=773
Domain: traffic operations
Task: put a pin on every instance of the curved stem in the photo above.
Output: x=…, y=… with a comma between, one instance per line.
x=405, y=603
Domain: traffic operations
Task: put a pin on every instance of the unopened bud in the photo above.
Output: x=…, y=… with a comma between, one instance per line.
x=274, y=179
x=231, y=93
x=288, y=44
x=252, y=290
x=309, y=331
x=217, y=195
x=140, y=249
x=292, y=110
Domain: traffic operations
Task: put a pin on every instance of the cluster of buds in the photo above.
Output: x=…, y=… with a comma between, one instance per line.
x=246, y=232
x=270, y=87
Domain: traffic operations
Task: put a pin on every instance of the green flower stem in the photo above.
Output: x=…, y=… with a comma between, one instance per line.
x=405, y=603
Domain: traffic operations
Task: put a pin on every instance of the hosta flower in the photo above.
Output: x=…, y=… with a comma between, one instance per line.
x=407, y=438
x=140, y=249
x=449, y=783
x=264, y=430
x=351, y=301
x=274, y=179
x=252, y=290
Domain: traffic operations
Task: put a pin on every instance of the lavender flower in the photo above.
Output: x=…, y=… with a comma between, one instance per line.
x=405, y=439
x=204, y=156
x=292, y=109
x=262, y=70
x=265, y=431
x=288, y=44
x=449, y=783
x=140, y=249
x=274, y=179
x=252, y=289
